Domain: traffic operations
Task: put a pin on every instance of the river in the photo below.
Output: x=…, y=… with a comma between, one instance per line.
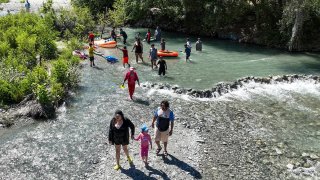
x=260, y=131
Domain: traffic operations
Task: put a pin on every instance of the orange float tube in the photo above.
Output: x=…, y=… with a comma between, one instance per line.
x=167, y=53
x=109, y=44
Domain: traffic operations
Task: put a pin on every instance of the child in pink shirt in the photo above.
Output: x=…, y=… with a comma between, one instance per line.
x=145, y=139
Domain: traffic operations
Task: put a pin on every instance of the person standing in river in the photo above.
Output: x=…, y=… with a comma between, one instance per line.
x=153, y=55
x=132, y=77
x=91, y=55
x=164, y=119
x=199, y=45
x=119, y=135
x=113, y=34
x=125, y=58
x=148, y=36
x=138, y=48
x=163, y=44
x=162, y=66
x=157, y=34
x=124, y=35
x=187, y=50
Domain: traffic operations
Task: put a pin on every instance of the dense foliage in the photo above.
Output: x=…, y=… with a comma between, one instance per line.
x=30, y=62
x=75, y=22
x=292, y=24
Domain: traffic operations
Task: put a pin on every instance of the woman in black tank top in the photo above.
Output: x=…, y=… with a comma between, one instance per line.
x=138, y=50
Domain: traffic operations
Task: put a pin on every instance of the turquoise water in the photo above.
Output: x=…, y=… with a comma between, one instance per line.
x=72, y=146
x=220, y=61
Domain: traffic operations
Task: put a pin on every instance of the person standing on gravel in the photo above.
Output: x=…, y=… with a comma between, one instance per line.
x=119, y=135
x=164, y=119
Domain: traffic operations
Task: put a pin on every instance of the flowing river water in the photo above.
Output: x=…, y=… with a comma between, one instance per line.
x=260, y=131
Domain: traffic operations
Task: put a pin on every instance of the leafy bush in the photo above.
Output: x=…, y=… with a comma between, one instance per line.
x=42, y=94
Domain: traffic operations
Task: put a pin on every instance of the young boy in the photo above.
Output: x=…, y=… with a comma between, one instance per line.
x=187, y=50
x=91, y=55
x=162, y=66
x=125, y=59
x=153, y=55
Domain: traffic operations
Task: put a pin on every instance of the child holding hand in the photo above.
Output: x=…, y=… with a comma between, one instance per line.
x=145, y=140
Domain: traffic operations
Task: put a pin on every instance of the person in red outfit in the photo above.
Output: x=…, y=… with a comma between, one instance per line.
x=91, y=37
x=132, y=77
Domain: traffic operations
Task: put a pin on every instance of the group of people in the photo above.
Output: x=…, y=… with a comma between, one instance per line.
x=131, y=75
x=162, y=122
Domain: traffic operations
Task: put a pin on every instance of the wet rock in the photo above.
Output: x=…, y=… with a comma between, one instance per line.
x=314, y=157
x=200, y=141
x=290, y=166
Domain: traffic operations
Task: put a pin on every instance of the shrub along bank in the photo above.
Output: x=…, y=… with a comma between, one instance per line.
x=31, y=65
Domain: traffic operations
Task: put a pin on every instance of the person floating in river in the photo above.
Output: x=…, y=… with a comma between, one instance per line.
x=145, y=140
x=119, y=135
x=132, y=77
x=199, y=45
x=125, y=59
x=162, y=66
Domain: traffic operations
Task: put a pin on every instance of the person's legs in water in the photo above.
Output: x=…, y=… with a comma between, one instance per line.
x=124, y=40
x=151, y=64
x=140, y=55
x=136, y=57
x=118, y=148
x=91, y=61
x=125, y=149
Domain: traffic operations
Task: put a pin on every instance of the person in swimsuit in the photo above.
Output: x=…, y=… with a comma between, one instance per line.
x=162, y=66
x=145, y=139
x=138, y=48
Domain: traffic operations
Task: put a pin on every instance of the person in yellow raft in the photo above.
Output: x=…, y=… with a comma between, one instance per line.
x=91, y=55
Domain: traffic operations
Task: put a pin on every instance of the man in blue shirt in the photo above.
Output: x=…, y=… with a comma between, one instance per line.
x=164, y=119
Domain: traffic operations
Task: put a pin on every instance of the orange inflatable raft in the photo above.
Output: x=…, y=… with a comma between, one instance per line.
x=167, y=53
x=109, y=44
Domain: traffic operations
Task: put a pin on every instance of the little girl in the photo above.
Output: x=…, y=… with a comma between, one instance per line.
x=145, y=139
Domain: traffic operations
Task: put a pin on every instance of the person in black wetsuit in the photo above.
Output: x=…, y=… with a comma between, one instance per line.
x=162, y=66
x=119, y=135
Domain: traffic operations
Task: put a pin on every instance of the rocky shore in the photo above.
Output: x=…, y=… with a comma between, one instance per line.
x=223, y=88
x=211, y=140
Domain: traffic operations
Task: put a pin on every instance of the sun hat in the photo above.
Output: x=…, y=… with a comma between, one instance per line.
x=131, y=68
x=144, y=128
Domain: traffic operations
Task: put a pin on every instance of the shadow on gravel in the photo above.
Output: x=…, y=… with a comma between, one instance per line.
x=170, y=159
x=142, y=102
x=98, y=68
x=137, y=174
